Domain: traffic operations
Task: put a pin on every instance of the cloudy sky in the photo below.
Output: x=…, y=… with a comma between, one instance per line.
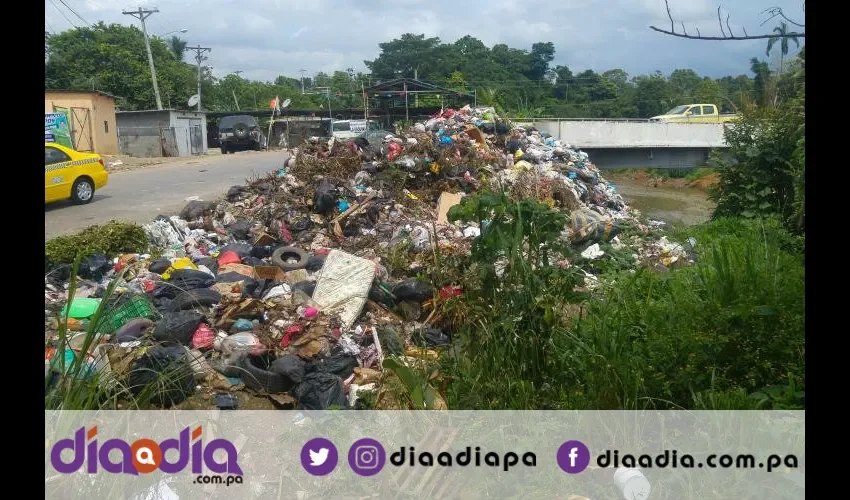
x=274, y=37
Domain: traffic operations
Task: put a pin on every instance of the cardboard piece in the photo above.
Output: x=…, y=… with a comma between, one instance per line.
x=273, y=273
x=475, y=134
x=444, y=203
x=264, y=240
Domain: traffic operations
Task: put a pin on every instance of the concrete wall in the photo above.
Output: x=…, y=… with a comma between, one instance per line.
x=586, y=134
x=672, y=158
x=100, y=134
x=141, y=133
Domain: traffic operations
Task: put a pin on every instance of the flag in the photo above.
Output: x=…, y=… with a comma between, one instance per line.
x=275, y=104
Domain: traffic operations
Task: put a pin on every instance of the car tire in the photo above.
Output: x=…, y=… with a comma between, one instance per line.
x=82, y=191
x=223, y=150
x=262, y=380
x=201, y=297
x=280, y=255
x=241, y=130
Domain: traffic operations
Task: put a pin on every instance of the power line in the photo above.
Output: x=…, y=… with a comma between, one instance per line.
x=49, y=26
x=62, y=14
x=75, y=13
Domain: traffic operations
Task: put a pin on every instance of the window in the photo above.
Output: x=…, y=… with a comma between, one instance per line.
x=105, y=126
x=53, y=155
x=678, y=110
x=708, y=110
x=695, y=111
x=342, y=126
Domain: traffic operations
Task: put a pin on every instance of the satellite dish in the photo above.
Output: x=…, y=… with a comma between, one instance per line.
x=286, y=103
x=194, y=100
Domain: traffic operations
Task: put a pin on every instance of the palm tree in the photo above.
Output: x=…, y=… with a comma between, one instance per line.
x=177, y=46
x=781, y=36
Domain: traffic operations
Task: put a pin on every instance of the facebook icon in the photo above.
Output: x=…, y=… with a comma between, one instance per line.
x=573, y=457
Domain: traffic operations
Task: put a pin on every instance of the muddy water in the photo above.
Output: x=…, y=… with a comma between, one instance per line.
x=674, y=205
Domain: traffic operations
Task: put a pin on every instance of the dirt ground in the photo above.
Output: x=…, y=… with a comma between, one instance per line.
x=645, y=178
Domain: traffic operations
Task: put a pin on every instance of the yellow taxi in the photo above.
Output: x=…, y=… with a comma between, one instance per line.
x=70, y=174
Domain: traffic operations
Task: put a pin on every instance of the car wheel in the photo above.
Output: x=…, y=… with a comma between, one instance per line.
x=240, y=130
x=223, y=150
x=82, y=191
x=280, y=256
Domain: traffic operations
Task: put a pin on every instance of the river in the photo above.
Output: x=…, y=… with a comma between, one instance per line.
x=678, y=206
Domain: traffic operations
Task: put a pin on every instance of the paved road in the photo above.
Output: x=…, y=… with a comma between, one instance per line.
x=142, y=194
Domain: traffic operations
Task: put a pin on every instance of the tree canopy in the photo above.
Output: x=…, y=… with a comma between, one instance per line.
x=523, y=82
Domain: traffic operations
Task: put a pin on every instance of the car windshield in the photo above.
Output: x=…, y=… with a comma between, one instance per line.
x=230, y=121
x=678, y=110
x=342, y=126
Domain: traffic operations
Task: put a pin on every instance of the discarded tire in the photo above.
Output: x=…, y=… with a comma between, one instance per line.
x=282, y=254
x=291, y=367
x=202, y=297
x=256, y=375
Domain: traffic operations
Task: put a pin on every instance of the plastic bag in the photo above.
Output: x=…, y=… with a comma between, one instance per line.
x=178, y=326
x=413, y=290
x=203, y=337
x=195, y=209
x=168, y=370
x=432, y=337
x=94, y=267
x=242, y=325
x=229, y=257
x=132, y=330
x=324, y=197
x=245, y=342
x=342, y=365
x=320, y=391
x=291, y=367
x=240, y=229
x=191, y=279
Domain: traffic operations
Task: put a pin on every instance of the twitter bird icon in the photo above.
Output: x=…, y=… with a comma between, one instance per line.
x=318, y=457
x=321, y=462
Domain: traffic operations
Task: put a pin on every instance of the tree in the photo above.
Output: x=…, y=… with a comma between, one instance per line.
x=782, y=36
x=709, y=92
x=541, y=55
x=177, y=47
x=652, y=96
x=761, y=80
x=773, y=11
x=402, y=57
x=683, y=84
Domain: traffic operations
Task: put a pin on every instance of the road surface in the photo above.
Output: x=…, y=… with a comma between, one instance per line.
x=142, y=194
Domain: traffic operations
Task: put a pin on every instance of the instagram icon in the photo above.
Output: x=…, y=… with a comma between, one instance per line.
x=366, y=457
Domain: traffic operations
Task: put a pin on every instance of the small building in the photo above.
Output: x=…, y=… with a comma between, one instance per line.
x=91, y=118
x=167, y=132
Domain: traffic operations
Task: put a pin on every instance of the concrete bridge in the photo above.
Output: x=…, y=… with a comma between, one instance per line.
x=637, y=143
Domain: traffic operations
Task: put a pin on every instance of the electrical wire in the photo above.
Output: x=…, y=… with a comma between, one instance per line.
x=63, y=14
x=75, y=13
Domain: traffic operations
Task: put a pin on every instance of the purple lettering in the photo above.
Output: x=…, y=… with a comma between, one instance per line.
x=230, y=466
x=77, y=445
x=182, y=447
x=126, y=465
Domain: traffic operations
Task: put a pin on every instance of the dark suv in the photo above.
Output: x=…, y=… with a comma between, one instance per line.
x=240, y=133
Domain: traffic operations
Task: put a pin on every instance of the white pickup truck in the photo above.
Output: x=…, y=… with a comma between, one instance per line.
x=349, y=129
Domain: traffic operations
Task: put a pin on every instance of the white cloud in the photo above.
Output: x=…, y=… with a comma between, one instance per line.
x=272, y=37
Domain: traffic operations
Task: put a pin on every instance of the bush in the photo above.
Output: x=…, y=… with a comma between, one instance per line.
x=109, y=239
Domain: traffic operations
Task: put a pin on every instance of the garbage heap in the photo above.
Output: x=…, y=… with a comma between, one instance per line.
x=280, y=286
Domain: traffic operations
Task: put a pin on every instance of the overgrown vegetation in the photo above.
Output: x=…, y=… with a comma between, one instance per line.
x=710, y=335
x=766, y=173
x=110, y=239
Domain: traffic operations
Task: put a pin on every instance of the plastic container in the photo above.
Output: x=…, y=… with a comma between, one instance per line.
x=81, y=308
x=138, y=306
x=632, y=484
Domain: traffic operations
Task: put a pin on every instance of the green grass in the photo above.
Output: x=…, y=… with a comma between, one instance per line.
x=727, y=332
x=109, y=239
x=689, y=174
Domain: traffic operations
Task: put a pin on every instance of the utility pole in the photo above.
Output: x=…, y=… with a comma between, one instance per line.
x=141, y=15
x=302, y=80
x=199, y=58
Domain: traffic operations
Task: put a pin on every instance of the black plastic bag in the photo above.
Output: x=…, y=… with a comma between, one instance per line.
x=315, y=263
x=240, y=249
x=302, y=224
x=208, y=262
x=167, y=370
x=342, y=365
x=94, y=267
x=291, y=367
x=413, y=290
x=432, y=337
x=253, y=261
x=320, y=391
x=235, y=192
x=240, y=230
x=195, y=209
x=261, y=253
x=324, y=197
x=191, y=279
x=178, y=326
x=159, y=266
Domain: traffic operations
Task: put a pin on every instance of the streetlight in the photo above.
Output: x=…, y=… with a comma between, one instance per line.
x=184, y=30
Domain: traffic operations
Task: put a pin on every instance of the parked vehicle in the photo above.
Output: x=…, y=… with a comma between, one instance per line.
x=240, y=133
x=694, y=113
x=70, y=174
x=349, y=129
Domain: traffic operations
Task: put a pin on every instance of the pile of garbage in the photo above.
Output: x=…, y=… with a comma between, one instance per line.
x=280, y=286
